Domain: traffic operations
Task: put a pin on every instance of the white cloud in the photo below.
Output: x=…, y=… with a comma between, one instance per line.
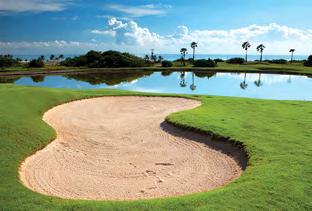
x=73, y=18
x=129, y=33
x=141, y=10
x=47, y=47
x=277, y=38
x=104, y=32
x=131, y=37
x=32, y=5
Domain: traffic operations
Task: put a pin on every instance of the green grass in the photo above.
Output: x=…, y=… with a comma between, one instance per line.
x=295, y=68
x=276, y=134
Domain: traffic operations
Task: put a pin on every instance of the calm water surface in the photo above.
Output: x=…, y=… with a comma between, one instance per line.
x=252, y=85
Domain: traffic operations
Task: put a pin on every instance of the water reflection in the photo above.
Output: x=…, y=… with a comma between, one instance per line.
x=9, y=79
x=182, y=79
x=257, y=85
x=244, y=85
x=111, y=78
x=193, y=87
x=258, y=82
x=37, y=78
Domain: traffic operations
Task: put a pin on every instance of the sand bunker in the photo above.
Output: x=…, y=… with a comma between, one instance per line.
x=120, y=148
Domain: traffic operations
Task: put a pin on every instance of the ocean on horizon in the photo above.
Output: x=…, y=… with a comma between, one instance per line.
x=172, y=57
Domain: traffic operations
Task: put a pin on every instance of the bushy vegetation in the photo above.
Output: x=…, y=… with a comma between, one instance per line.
x=8, y=61
x=277, y=61
x=236, y=60
x=166, y=63
x=308, y=62
x=96, y=59
x=36, y=63
x=205, y=63
x=218, y=60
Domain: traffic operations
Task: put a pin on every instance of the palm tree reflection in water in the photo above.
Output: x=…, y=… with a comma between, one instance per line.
x=192, y=86
x=182, y=80
x=258, y=82
x=243, y=84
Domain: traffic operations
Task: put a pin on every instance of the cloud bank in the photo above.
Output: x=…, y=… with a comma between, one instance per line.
x=7, y=6
x=128, y=35
x=141, y=10
x=277, y=38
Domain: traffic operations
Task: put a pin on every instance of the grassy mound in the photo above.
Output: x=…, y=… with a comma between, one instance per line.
x=276, y=134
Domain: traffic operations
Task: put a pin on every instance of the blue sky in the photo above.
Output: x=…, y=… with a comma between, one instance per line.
x=219, y=26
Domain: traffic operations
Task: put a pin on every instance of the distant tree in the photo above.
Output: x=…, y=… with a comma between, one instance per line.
x=42, y=58
x=245, y=46
x=61, y=57
x=36, y=63
x=292, y=54
x=183, y=52
x=235, y=60
x=160, y=59
x=193, y=46
x=153, y=56
x=308, y=62
x=166, y=63
x=8, y=61
x=146, y=57
x=260, y=49
x=52, y=57
x=205, y=63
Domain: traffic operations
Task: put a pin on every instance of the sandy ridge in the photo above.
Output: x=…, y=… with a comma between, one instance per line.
x=118, y=148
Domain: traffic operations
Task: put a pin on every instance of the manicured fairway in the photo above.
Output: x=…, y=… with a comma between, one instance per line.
x=276, y=134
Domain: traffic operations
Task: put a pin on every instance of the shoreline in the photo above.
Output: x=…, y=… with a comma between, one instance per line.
x=47, y=71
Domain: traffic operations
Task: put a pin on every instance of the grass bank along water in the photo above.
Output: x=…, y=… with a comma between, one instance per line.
x=276, y=135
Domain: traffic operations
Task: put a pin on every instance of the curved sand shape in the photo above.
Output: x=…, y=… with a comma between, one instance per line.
x=117, y=148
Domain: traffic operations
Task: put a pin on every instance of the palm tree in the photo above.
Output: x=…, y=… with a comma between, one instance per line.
x=42, y=58
x=244, y=85
x=183, y=51
x=153, y=56
x=260, y=49
x=182, y=80
x=192, y=86
x=61, y=56
x=52, y=57
x=146, y=57
x=160, y=59
x=292, y=54
x=258, y=82
x=245, y=46
x=194, y=45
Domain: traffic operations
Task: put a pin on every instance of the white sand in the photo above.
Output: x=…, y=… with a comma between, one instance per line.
x=120, y=148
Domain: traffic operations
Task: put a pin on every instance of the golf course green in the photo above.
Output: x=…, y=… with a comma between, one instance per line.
x=275, y=134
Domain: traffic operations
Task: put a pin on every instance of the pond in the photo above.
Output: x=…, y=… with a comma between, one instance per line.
x=252, y=85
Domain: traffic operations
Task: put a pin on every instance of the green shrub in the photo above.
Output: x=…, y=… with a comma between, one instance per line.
x=36, y=63
x=95, y=59
x=7, y=61
x=236, y=60
x=166, y=63
x=205, y=63
x=277, y=61
x=218, y=60
x=308, y=62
